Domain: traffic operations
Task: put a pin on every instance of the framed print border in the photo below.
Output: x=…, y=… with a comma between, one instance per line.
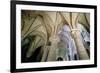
x=13, y=35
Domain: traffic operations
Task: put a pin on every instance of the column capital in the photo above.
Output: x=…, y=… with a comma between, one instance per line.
x=54, y=39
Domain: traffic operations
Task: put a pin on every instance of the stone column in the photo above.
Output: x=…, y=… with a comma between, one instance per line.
x=45, y=53
x=52, y=52
x=80, y=47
